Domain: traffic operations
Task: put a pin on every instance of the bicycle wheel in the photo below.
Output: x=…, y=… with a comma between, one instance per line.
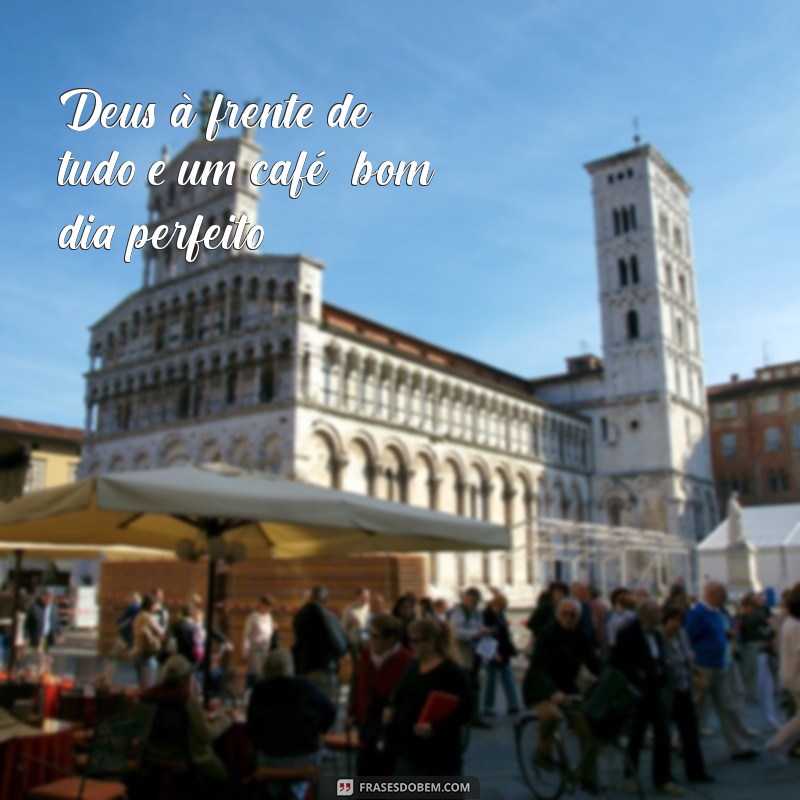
x=545, y=781
x=616, y=777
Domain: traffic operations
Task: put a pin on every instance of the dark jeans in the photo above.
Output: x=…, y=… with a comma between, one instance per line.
x=685, y=719
x=651, y=711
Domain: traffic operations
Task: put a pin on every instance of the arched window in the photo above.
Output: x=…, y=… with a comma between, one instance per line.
x=614, y=512
x=679, y=332
x=632, y=324
x=623, y=272
x=626, y=223
x=617, y=223
x=634, y=269
x=266, y=389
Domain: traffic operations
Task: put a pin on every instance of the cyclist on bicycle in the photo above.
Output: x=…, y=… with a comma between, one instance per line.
x=559, y=651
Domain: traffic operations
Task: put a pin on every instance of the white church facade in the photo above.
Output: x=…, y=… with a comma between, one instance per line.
x=602, y=472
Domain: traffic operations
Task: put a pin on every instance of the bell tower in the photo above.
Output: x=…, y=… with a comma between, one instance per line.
x=653, y=431
x=227, y=192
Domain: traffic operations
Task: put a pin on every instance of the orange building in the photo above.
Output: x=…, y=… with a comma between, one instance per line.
x=755, y=436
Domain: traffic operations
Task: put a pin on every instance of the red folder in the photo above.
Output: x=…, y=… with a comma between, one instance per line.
x=438, y=706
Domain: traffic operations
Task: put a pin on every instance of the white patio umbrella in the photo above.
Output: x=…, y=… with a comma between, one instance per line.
x=227, y=512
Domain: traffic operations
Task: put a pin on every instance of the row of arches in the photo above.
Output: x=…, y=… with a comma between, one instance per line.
x=455, y=482
x=211, y=384
x=365, y=385
x=264, y=452
x=200, y=314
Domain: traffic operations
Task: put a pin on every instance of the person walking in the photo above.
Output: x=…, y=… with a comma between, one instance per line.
x=467, y=621
x=788, y=736
x=680, y=663
x=147, y=640
x=319, y=643
x=429, y=747
x=258, y=638
x=380, y=667
x=707, y=629
x=42, y=626
x=355, y=621
x=499, y=666
x=639, y=653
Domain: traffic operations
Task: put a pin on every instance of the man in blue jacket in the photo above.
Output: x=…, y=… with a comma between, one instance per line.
x=708, y=631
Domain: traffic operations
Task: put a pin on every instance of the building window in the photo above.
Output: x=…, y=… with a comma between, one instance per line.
x=35, y=476
x=663, y=224
x=623, y=272
x=726, y=410
x=668, y=274
x=796, y=436
x=682, y=286
x=632, y=324
x=728, y=443
x=624, y=219
x=794, y=401
x=768, y=404
x=772, y=440
x=634, y=269
x=777, y=481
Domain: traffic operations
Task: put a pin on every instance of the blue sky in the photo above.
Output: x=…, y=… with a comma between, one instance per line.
x=495, y=258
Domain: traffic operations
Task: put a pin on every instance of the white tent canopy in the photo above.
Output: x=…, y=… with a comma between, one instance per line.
x=774, y=532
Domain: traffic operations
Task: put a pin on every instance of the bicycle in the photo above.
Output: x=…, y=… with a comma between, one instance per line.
x=568, y=768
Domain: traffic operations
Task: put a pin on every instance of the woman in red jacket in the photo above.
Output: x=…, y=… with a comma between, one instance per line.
x=379, y=670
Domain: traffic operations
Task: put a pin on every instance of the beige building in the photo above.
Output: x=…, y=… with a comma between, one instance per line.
x=35, y=455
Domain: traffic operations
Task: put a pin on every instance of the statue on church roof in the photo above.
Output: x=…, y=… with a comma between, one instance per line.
x=206, y=104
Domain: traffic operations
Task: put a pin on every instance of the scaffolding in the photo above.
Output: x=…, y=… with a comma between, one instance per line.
x=608, y=557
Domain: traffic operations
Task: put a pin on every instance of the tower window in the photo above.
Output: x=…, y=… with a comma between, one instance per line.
x=668, y=274
x=632, y=324
x=623, y=272
x=682, y=285
x=634, y=269
x=624, y=219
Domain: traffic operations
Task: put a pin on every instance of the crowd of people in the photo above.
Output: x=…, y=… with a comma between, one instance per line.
x=684, y=656
x=425, y=671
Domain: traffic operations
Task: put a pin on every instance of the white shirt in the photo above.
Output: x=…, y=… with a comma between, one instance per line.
x=790, y=654
x=257, y=632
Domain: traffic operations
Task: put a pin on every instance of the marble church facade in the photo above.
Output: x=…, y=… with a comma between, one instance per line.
x=237, y=357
